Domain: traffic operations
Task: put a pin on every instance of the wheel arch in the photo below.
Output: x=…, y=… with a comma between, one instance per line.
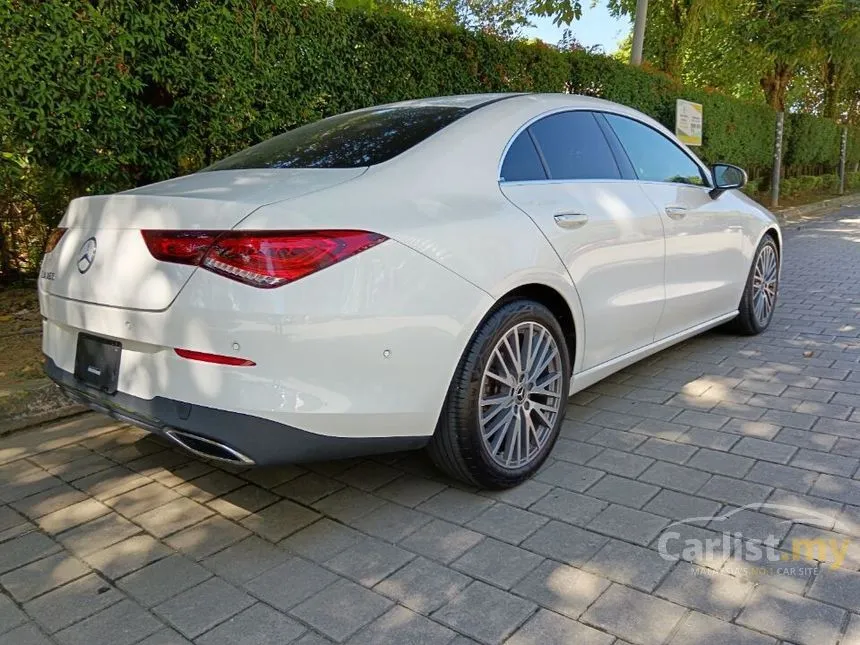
x=553, y=300
x=773, y=232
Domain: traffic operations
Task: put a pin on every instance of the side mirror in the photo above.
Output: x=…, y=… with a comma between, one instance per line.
x=726, y=177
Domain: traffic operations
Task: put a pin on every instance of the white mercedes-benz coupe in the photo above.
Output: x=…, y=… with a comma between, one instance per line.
x=441, y=271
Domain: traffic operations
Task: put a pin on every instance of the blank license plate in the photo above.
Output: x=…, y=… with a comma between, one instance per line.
x=97, y=362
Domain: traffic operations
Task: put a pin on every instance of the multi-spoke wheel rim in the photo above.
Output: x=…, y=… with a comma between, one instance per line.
x=520, y=395
x=764, y=284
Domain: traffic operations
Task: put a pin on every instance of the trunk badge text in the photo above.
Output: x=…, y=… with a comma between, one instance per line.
x=87, y=255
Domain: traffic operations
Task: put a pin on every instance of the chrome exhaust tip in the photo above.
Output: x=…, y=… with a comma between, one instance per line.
x=209, y=449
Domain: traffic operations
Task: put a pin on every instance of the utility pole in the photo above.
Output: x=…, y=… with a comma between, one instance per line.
x=843, y=151
x=639, y=32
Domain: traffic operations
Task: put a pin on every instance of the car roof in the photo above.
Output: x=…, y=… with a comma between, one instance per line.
x=508, y=102
x=467, y=101
x=536, y=103
x=479, y=100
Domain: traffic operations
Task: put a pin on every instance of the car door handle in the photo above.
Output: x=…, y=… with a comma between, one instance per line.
x=571, y=220
x=676, y=212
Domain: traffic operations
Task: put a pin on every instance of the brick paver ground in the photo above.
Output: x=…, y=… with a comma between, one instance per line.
x=110, y=537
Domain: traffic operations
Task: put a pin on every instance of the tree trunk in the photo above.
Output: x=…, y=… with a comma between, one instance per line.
x=832, y=89
x=8, y=272
x=775, y=85
x=672, y=61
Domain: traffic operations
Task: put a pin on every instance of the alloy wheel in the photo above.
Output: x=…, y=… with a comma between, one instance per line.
x=520, y=396
x=764, y=284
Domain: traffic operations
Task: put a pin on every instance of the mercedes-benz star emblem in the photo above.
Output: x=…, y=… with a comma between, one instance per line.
x=87, y=255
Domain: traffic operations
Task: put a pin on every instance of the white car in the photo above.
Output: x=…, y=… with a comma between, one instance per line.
x=442, y=271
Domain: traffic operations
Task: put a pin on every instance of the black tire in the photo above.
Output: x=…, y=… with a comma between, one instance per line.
x=746, y=322
x=457, y=446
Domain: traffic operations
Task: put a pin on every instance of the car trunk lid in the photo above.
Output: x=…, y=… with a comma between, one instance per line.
x=103, y=259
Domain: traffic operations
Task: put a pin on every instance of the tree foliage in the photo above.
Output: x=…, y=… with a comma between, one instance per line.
x=796, y=54
x=504, y=18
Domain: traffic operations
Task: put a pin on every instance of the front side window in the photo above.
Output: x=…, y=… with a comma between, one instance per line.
x=654, y=157
x=353, y=140
x=573, y=147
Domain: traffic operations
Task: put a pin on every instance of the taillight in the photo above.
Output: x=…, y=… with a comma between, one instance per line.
x=180, y=247
x=272, y=259
x=262, y=259
x=54, y=239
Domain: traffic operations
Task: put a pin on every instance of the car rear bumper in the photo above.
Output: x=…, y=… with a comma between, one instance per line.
x=224, y=435
x=364, y=349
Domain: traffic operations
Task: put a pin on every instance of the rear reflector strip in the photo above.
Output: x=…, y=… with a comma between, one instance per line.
x=214, y=358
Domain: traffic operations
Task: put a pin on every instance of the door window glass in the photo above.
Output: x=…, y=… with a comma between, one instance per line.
x=654, y=157
x=574, y=147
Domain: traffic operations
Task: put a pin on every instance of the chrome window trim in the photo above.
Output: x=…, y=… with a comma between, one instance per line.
x=602, y=181
x=546, y=113
x=564, y=181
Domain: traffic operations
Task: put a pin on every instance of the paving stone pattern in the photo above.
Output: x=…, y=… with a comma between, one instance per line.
x=108, y=535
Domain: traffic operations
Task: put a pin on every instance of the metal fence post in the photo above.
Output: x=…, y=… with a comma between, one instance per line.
x=777, y=159
x=843, y=153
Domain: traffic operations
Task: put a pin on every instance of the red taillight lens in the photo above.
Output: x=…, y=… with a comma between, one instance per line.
x=181, y=247
x=218, y=359
x=54, y=239
x=262, y=259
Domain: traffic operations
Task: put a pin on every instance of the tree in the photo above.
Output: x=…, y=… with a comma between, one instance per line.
x=796, y=52
x=563, y=12
x=570, y=43
x=779, y=35
x=503, y=18
x=838, y=48
x=673, y=27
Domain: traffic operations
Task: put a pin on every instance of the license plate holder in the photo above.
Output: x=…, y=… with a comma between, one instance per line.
x=97, y=362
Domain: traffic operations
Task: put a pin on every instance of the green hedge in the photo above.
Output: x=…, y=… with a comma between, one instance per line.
x=810, y=140
x=805, y=185
x=102, y=95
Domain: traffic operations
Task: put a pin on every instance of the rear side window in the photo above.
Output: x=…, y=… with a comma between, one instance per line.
x=574, y=147
x=354, y=140
x=654, y=157
x=522, y=162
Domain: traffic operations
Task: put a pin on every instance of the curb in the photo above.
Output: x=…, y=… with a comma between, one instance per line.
x=816, y=209
x=39, y=403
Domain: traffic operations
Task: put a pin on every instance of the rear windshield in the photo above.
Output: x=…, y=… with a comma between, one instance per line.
x=350, y=140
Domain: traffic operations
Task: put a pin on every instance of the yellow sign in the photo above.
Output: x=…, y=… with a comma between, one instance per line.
x=688, y=122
